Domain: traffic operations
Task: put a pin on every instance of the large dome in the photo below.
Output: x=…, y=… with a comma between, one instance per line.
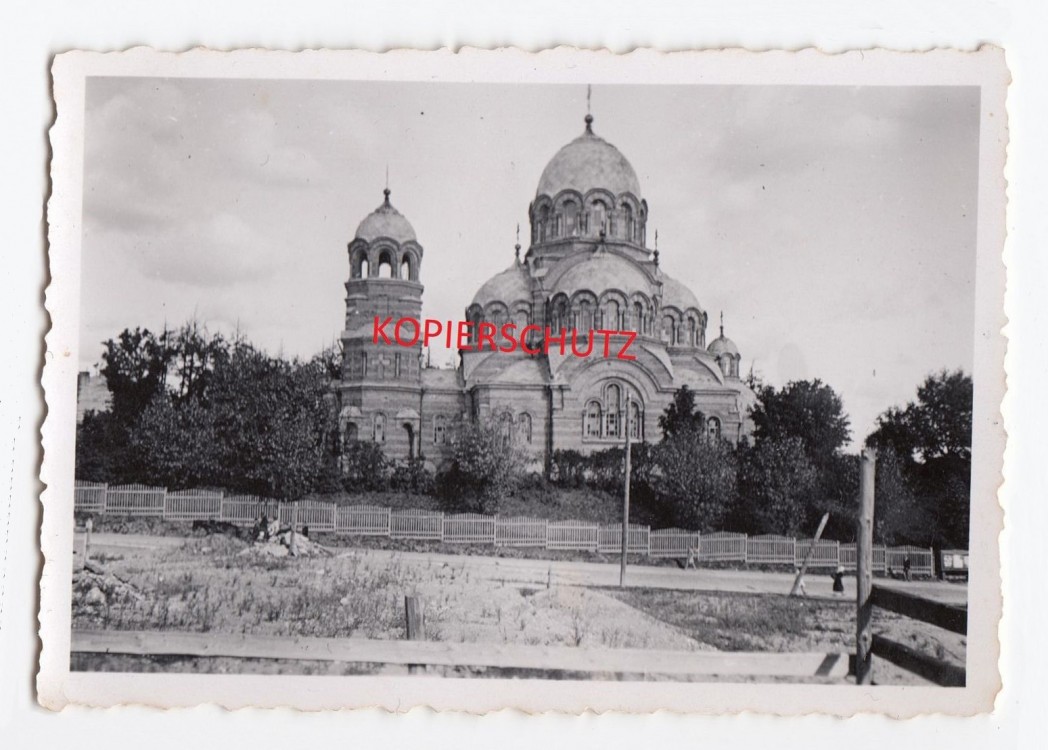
x=385, y=221
x=586, y=163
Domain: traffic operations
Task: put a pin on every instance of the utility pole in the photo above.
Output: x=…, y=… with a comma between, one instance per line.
x=625, y=497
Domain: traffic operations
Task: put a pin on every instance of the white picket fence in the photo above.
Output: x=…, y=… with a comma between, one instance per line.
x=476, y=528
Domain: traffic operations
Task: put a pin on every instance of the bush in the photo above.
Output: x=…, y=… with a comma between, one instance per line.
x=485, y=467
x=366, y=467
x=412, y=476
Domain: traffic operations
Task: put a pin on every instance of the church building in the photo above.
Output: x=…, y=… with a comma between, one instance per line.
x=587, y=267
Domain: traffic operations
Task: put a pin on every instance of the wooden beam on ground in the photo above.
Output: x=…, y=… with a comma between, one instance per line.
x=947, y=616
x=506, y=656
x=928, y=667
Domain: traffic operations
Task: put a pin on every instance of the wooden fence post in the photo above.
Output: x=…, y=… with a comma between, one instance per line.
x=416, y=625
x=864, y=571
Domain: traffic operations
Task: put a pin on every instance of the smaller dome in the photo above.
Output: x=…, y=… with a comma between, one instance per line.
x=506, y=286
x=722, y=345
x=675, y=294
x=385, y=221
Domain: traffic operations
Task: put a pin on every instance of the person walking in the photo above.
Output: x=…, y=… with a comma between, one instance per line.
x=906, y=567
x=838, y=580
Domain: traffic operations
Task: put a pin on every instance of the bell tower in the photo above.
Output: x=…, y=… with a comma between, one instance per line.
x=381, y=387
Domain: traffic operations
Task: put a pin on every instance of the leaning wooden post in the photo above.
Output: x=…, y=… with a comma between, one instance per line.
x=864, y=571
x=416, y=625
x=807, y=557
x=625, y=497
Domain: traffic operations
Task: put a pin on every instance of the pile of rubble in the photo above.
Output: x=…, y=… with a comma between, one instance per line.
x=96, y=591
x=279, y=544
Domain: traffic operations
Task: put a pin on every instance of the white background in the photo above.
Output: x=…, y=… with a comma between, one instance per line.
x=32, y=32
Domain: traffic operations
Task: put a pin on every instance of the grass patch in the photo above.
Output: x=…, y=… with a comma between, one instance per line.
x=741, y=622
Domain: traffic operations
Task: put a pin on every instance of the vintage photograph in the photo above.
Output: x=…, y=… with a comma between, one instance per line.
x=604, y=383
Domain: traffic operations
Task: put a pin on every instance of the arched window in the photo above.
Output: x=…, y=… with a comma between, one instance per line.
x=440, y=430
x=599, y=217
x=520, y=318
x=364, y=267
x=570, y=210
x=543, y=221
x=385, y=266
x=713, y=428
x=591, y=422
x=585, y=317
x=638, y=317
x=636, y=422
x=380, y=428
x=358, y=266
x=524, y=427
x=627, y=216
x=405, y=268
x=350, y=434
x=560, y=314
x=668, y=329
x=692, y=332
x=613, y=404
x=611, y=315
x=506, y=427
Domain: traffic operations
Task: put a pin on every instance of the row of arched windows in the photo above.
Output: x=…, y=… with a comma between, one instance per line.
x=498, y=313
x=687, y=332
x=586, y=313
x=384, y=263
x=569, y=219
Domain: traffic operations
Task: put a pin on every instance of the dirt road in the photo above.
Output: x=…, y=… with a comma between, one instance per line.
x=529, y=572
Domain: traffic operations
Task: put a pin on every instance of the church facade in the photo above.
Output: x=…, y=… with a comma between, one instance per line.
x=587, y=267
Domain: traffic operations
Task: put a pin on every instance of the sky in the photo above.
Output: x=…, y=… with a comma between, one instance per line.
x=834, y=226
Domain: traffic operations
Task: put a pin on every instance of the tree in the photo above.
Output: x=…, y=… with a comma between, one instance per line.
x=899, y=517
x=694, y=479
x=485, y=467
x=273, y=422
x=681, y=416
x=192, y=356
x=135, y=369
x=778, y=482
x=938, y=424
x=932, y=439
x=173, y=444
x=808, y=410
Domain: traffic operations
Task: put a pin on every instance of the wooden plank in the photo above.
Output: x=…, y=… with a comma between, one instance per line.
x=947, y=616
x=928, y=667
x=864, y=572
x=509, y=656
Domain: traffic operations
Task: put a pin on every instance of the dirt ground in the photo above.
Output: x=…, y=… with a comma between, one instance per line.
x=210, y=585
